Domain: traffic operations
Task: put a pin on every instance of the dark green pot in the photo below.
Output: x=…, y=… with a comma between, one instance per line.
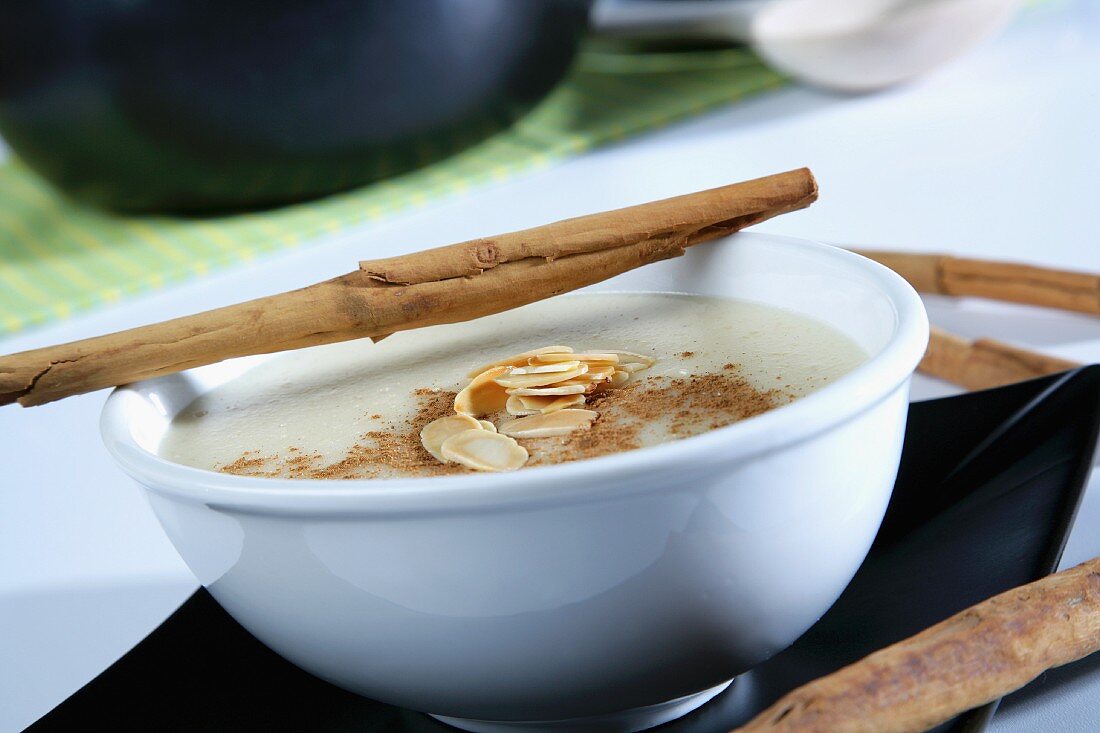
x=198, y=105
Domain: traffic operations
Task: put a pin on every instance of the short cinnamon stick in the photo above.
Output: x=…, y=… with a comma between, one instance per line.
x=972, y=658
x=443, y=285
x=984, y=363
x=1008, y=281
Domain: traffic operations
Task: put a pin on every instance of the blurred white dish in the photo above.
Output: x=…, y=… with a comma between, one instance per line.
x=845, y=45
x=612, y=594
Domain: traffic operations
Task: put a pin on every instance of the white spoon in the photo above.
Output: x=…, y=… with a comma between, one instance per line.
x=845, y=45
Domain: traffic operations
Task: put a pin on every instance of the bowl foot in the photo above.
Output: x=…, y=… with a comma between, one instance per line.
x=626, y=721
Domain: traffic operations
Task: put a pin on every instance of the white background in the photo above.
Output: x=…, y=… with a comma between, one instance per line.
x=996, y=155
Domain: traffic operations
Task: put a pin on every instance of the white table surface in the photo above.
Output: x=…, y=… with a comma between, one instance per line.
x=996, y=155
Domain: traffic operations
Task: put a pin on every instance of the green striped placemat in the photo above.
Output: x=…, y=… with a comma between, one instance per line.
x=58, y=257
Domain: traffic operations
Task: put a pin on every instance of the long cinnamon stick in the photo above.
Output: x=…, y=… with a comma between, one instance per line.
x=976, y=656
x=443, y=285
x=690, y=219
x=984, y=363
x=1009, y=281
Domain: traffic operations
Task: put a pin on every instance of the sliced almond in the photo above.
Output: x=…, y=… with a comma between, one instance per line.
x=561, y=366
x=629, y=357
x=516, y=406
x=521, y=359
x=482, y=396
x=600, y=373
x=581, y=381
x=534, y=404
x=560, y=422
x=486, y=425
x=556, y=389
x=551, y=403
x=635, y=367
x=484, y=451
x=619, y=379
x=437, y=431
x=511, y=380
x=547, y=358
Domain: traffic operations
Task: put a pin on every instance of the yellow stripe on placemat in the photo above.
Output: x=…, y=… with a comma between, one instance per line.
x=59, y=257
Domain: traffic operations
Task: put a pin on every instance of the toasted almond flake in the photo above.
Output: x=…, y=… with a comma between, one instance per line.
x=629, y=357
x=521, y=359
x=437, y=431
x=553, y=390
x=561, y=403
x=561, y=366
x=582, y=381
x=533, y=404
x=482, y=396
x=610, y=358
x=484, y=451
x=560, y=422
x=511, y=380
x=548, y=403
x=600, y=374
x=486, y=425
x=516, y=406
x=619, y=379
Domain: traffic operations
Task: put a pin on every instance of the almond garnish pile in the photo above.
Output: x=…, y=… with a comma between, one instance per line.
x=545, y=390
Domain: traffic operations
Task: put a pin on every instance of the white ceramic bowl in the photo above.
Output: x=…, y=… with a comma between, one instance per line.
x=614, y=593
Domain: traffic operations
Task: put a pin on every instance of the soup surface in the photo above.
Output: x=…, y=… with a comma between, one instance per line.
x=356, y=409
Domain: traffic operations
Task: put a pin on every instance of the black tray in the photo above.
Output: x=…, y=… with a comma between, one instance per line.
x=988, y=487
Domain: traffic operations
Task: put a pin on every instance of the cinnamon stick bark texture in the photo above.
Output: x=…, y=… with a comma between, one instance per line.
x=444, y=285
x=972, y=658
x=984, y=363
x=1010, y=281
x=688, y=220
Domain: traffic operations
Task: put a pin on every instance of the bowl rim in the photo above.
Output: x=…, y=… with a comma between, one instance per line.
x=834, y=404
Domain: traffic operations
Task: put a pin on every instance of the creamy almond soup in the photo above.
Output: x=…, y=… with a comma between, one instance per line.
x=607, y=372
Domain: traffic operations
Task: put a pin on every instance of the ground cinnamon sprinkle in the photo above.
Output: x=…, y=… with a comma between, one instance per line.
x=376, y=453
x=249, y=464
x=653, y=406
x=680, y=407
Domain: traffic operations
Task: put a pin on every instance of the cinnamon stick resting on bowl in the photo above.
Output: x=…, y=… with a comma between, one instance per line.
x=976, y=656
x=984, y=363
x=1010, y=281
x=443, y=285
